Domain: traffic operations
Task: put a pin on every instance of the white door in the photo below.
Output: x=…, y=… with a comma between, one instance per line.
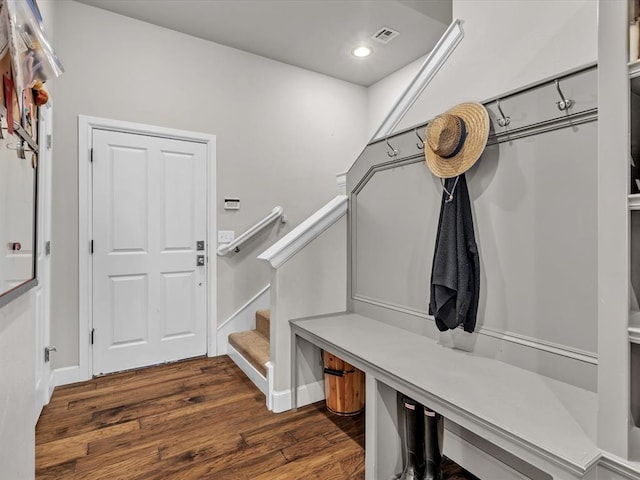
x=44, y=383
x=149, y=213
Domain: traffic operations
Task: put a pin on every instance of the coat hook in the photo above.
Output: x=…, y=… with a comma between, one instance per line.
x=18, y=148
x=564, y=103
x=393, y=152
x=419, y=143
x=504, y=121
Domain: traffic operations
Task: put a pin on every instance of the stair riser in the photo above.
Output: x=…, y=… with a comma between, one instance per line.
x=263, y=323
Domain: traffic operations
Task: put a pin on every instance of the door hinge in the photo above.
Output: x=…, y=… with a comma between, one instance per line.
x=47, y=247
x=93, y=331
x=91, y=247
x=49, y=141
x=47, y=352
x=91, y=155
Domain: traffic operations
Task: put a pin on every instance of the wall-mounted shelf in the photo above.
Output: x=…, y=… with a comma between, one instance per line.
x=634, y=69
x=634, y=201
x=634, y=326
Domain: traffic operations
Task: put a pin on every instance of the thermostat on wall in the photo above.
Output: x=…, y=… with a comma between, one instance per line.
x=232, y=204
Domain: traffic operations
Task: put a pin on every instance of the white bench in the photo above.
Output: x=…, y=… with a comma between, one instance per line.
x=546, y=423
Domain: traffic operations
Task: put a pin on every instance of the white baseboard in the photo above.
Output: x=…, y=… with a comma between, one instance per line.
x=310, y=393
x=242, y=319
x=270, y=377
x=67, y=375
x=250, y=371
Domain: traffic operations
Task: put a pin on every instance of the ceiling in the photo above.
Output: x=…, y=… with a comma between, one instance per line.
x=317, y=35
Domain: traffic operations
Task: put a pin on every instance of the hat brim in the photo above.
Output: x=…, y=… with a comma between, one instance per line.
x=476, y=118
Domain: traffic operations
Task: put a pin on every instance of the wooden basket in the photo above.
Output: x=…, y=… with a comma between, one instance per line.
x=343, y=386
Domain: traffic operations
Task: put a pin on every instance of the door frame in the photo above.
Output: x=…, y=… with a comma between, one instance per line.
x=86, y=125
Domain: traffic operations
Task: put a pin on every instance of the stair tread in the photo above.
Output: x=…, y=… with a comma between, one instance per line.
x=252, y=345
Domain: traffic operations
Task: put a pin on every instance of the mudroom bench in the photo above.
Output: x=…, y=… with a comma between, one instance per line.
x=501, y=421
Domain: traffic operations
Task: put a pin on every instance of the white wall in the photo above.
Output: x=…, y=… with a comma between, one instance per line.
x=384, y=94
x=282, y=135
x=506, y=45
x=313, y=282
x=17, y=368
x=17, y=388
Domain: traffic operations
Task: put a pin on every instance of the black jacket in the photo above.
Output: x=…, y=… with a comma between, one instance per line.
x=455, y=275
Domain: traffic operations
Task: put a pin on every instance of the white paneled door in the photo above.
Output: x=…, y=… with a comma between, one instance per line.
x=149, y=265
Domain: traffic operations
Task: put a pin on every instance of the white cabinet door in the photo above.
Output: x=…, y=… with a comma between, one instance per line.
x=149, y=212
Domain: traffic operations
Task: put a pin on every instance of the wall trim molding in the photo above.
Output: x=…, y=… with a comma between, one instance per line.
x=66, y=375
x=250, y=371
x=307, y=394
x=523, y=340
x=244, y=307
x=618, y=466
x=307, y=231
x=242, y=319
x=270, y=385
x=550, y=347
x=430, y=67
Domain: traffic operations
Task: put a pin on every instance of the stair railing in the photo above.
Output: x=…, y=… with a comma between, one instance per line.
x=276, y=213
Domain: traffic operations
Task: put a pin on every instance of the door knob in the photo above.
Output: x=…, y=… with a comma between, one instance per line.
x=200, y=260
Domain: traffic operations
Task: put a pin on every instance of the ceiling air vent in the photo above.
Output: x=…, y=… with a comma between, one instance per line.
x=385, y=35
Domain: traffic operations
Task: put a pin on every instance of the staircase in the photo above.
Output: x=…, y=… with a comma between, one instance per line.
x=250, y=350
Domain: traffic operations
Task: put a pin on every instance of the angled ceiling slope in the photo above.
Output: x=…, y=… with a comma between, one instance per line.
x=317, y=35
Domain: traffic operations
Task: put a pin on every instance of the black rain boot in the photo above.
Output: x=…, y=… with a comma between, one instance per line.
x=412, y=423
x=434, y=433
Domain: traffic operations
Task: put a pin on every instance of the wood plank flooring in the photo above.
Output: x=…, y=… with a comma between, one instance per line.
x=197, y=419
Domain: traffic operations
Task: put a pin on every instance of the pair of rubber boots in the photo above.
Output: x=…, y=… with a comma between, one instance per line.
x=422, y=430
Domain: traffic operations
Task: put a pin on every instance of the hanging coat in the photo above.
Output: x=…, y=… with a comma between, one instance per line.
x=455, y=275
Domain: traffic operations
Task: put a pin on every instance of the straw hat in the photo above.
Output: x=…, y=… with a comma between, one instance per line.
x=455, y=139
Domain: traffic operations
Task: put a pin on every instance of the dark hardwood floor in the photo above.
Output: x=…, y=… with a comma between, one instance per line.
x=197, y=419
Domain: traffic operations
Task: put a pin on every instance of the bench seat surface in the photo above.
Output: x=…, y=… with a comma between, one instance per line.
x=553, y=417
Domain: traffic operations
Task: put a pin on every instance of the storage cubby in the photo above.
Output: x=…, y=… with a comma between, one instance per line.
x=634, y=256
x=634, y=403
x=634, y=325
x=634, y=226
x=634, y=130
x=634, y=372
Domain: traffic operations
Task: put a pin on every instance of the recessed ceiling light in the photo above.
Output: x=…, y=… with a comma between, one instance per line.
x=362, y=51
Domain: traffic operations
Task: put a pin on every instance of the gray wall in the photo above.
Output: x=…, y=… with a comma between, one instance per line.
x=282, y=135
x=506, y=45
x=533, y=199
x=310, y=283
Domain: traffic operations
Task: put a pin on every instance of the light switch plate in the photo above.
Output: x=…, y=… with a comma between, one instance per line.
x=226, y=236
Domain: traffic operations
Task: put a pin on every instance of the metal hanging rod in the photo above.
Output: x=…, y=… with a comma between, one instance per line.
x=277, y=212
x=543, y=127
x=564, y=104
